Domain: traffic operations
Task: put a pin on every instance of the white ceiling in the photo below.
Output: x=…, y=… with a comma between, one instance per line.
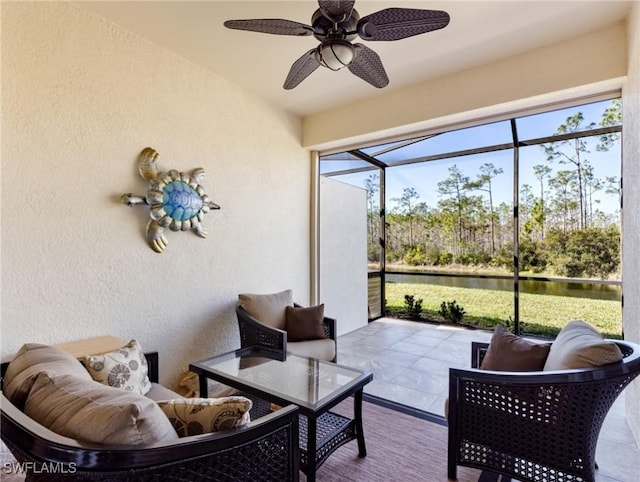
x=479, y=32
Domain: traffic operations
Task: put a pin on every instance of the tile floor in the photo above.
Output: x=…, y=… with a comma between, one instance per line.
x=410, y=364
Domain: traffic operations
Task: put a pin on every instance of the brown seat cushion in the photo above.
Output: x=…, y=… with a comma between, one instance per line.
x=579, y=345
x=305, y=323
x=509, y=352
x=31, y=359
x=269, y=308
x=88, y=411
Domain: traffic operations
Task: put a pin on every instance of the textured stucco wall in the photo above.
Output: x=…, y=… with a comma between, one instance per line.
x=81, y=98
x=343, y=253
x=631, y=208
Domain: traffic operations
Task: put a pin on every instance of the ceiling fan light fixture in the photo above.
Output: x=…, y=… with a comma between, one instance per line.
x=335, y=54
x=335, y=24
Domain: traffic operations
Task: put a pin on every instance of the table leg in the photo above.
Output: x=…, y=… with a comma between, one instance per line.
x=357, y=411
x=204, y=386
x=312, y=426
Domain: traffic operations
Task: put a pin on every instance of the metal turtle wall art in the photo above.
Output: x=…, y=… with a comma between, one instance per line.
x=176, y=200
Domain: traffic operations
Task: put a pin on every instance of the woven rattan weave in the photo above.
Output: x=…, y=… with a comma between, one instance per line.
x=264, y=459
x=333, y=431
x=257, y=335
x=533, y=426
x=264, y=450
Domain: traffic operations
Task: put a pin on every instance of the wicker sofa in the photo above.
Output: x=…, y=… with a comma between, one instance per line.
x=263, y=449
x=533, y=426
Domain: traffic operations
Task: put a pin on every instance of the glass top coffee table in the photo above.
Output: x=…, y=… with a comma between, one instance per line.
x=313, y=385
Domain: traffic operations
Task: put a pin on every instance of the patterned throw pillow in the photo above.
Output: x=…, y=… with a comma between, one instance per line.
x=124, y=368
x=195, y=416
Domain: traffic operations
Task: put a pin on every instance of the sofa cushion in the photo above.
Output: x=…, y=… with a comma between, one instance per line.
x=31, y=359
x=195, y=416
x=91, y=412
x=160, y=392
x=124, y=368
x=324, y=349
x=268, y=309
x=305, y=323
x=509, y=352
x=579, y=345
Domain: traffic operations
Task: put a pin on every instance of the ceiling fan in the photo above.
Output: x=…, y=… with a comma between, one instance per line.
x=335, y=24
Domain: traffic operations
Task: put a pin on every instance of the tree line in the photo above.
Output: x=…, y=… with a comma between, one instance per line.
x=562, y=229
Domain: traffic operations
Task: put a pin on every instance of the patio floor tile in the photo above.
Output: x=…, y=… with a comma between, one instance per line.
x=410, y=363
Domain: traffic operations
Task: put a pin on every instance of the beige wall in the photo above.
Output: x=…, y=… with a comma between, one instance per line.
x=81, y=98
x=631, y=207
x=343, y=253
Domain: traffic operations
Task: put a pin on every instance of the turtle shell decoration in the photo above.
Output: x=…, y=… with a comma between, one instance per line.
x=176, y=200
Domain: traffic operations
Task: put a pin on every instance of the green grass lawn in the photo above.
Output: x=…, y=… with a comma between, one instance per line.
x=542, y=315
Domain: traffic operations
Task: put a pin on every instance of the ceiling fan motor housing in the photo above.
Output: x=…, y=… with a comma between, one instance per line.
x=324, y=29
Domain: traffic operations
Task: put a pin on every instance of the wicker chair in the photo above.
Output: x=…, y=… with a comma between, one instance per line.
x=273, y=342
x=265, y=449
x=533, y=426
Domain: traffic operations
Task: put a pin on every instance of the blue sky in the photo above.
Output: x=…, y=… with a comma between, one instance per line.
x=424, y=177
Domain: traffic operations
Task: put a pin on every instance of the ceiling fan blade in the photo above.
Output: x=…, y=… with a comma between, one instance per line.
x=367, y=65
x=336, y=11
x=399, y=23
x=301, y=69
x=274, y=26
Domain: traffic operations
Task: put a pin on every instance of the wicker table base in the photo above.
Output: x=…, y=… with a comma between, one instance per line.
x=315, y=386
x=332, y=431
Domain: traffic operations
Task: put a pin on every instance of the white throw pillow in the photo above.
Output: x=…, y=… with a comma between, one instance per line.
x=124, y=368
x=579, y=345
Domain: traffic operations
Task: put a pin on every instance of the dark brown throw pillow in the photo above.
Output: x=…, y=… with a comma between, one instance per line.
x=508, y=352
x=304, y=323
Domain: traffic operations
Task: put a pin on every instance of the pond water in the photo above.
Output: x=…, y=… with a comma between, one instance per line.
x=556, y=288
